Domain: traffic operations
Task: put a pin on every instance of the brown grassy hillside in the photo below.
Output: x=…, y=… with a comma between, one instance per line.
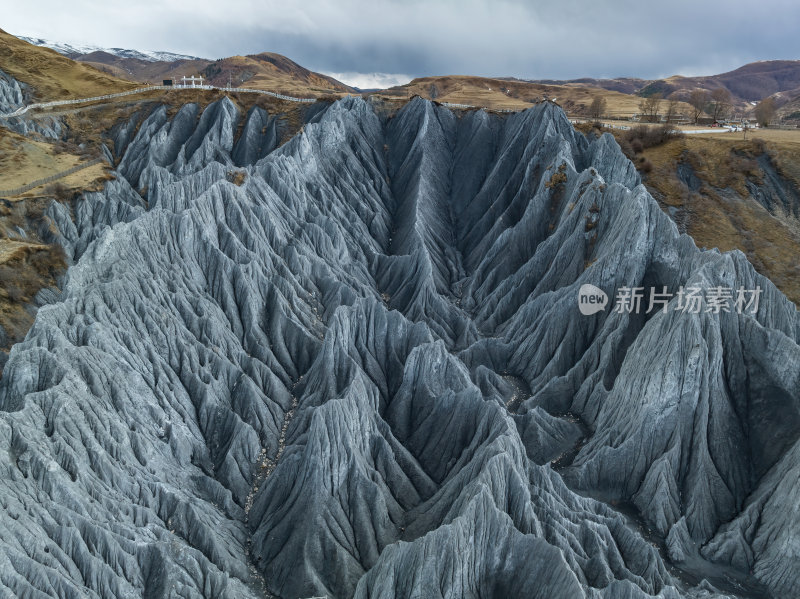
x=501, y=94
x=707, y=185
x=52, y=76
x=268, y=71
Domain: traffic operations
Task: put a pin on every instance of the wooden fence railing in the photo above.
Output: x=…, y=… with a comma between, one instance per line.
x=50, y=179
x=23, y=109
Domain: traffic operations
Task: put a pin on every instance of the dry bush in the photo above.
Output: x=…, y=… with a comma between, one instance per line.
x=50, y=262
x=589, y=128
x=650, y=137
x=748, y=167
x=626, y=148
x=34, y=209
x=329, y=98
x=637, y=139
x=16, y=283
x=31, y=270
x=558, y=178
x=63, y=146
x=236, y=177
x=10, y=284
x=59, y=191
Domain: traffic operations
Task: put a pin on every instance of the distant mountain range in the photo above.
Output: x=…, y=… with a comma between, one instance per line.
x=76, y=52
x=748, y=84
x=268, y=70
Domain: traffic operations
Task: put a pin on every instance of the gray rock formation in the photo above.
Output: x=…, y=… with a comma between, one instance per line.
x=363, y=373
x=11, y=96
x=14, y=95
x=776, y=193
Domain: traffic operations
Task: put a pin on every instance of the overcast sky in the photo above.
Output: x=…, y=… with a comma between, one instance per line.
x=393, y=40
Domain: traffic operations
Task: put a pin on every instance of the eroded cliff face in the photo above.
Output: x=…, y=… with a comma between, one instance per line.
x=354, y=365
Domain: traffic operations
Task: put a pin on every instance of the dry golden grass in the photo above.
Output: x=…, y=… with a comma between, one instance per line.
x=87, y=179
x=24, y=160
x=52, y=76
x=12, y=249
x=777, y=136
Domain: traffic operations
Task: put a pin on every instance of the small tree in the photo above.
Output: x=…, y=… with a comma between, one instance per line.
x=765, y=112
x=720, y=103
x=650, y=106
x=671, y=113
x=598, y=107
x=698, y=100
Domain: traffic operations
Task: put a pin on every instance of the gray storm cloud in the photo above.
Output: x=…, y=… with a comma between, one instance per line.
x=574, y=38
